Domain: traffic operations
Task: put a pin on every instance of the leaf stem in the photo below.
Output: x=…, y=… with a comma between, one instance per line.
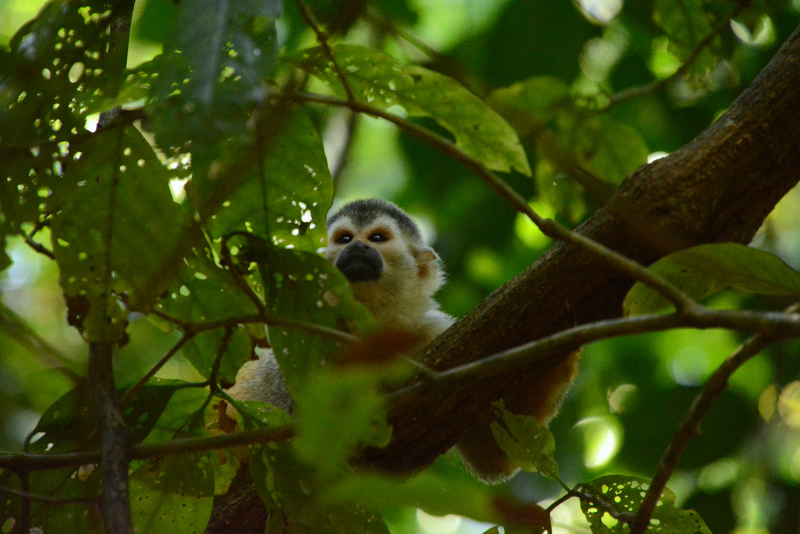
x=322, y=37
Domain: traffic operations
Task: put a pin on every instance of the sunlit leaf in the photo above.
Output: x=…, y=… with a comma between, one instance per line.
x=61, y=62
x=63, y=65
x=383, y=82
x=686, y=24
x=625, y=494
x=707, y=269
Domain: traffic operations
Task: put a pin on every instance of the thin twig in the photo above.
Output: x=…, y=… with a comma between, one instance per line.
x=322, y=37
x=683, y=303
x=35, y=245
x=773, y=324
x=689, y=428
x=136, y=388
x=407, y=36
x=45, y=499
x=653, y=87
x=39, y=462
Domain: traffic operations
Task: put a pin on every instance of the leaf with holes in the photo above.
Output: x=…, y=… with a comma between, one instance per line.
x=381, y=81
x=282, y=193
x=624, y=495
x=120, y=231
x=204, y=348
x=708, y=269
x=63, y=65
x=68, y=423
x=72, y=484
x=226, y=39
x=206, y=84
x=525, y=441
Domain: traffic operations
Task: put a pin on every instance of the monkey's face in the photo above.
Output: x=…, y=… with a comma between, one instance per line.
x=369, y=252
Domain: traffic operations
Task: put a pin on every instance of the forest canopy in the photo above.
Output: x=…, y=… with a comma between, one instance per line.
x=613, y=175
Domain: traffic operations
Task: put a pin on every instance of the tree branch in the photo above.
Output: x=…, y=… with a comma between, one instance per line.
x=689, y=428
x=31, y=462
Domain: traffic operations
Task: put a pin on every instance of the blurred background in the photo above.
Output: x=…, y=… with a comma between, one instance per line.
x=742, y=474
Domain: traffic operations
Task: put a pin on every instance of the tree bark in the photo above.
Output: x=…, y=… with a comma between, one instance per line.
x=718, y=188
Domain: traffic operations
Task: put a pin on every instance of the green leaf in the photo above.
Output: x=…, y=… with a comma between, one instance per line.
x=119, y=230
x=686, y=24
x=202, y=351
x=226, y=38
x=283, y=193
x=707, y=269
x=525, y=441
x=530, y=105
x=607, y=148
x=160, y=502
x=72, y=483
x=174, y=493
x=339, y=409
x=439, y=490
x=67, y=423
x=64, y=65
x=63, y=62
x=381, y=81
x=625, y=494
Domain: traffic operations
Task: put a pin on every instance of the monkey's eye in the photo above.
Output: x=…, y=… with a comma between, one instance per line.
x=344, y=239
x=378, y=237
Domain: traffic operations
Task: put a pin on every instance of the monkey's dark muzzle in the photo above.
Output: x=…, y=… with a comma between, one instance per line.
x=360, y=262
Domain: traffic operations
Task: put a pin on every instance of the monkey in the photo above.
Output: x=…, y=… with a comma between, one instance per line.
x=380, y=251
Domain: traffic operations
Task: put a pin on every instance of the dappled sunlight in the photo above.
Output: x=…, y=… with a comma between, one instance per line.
x=602, y=438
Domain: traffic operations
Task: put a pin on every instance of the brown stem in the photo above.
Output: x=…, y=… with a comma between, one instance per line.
x=114, y=441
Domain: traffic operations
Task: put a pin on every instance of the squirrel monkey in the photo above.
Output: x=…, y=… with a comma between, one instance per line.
x=394, y=274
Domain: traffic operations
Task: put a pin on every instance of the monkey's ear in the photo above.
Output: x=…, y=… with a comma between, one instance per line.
x=427, y=255
x=429, y=270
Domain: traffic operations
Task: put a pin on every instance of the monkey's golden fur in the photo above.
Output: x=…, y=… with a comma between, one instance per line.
x=401, y=299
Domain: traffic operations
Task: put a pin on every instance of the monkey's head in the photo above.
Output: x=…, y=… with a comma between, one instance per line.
x=380, y=251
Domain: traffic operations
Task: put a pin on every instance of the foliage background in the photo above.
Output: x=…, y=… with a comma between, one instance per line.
x=743, y=475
